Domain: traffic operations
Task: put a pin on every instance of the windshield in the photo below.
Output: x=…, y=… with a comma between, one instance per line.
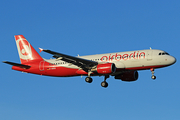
x=163, y=53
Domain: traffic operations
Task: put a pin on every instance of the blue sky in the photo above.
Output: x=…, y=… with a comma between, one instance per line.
x=88, y=27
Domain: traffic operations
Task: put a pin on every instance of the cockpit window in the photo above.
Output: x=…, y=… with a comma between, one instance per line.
x=164, y=53
x=167, y=53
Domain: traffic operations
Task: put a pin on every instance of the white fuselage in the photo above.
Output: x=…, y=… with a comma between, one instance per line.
x=135, y=60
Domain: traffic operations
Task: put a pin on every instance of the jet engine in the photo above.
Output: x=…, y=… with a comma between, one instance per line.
x=128, y=76
x=106, y=68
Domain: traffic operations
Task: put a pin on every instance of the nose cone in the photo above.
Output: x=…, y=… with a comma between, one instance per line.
x=172, y=60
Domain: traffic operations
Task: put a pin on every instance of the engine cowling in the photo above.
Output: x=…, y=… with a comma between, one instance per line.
x=106, y=68
x=128, y=76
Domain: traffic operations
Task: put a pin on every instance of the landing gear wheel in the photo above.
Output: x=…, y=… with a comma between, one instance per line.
x=152, y=72
x=153, y=77
x=88, y=79
x=104, y=84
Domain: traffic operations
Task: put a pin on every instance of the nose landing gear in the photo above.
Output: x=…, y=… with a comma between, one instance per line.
x=153, y=76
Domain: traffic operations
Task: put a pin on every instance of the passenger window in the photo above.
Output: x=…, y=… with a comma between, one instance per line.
x=159, y=53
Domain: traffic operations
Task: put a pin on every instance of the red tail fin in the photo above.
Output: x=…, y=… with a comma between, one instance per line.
x=26, y=52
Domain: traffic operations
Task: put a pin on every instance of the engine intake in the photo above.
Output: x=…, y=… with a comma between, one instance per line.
x=106, y=68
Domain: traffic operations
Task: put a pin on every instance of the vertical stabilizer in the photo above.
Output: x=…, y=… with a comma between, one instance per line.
x=26, y=52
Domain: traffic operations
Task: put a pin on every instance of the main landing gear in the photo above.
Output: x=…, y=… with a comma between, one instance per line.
x=153, y=76
x=103, y=84
x=88, y=79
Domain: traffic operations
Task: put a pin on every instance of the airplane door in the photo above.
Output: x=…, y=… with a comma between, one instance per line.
x=41, y=65
x=149, y=56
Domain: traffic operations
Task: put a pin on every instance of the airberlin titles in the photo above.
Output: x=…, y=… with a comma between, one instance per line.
x=118, y=57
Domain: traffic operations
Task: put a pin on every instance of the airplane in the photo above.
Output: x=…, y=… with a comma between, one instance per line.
x=122, y=65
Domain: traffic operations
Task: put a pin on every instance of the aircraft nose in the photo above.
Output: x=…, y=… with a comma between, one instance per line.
x=172, y=60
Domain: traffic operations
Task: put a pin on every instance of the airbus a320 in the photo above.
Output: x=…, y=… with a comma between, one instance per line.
x=122, y=65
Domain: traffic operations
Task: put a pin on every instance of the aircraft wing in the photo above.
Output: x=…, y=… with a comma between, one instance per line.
x=80, y=62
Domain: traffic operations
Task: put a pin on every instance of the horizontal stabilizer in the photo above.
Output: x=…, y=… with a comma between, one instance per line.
x=17, y=64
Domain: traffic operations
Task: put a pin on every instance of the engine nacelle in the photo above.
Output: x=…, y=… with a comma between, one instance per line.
x=128, y=76
x=106, y=68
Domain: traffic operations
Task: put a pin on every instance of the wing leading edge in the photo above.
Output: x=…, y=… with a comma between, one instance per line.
x=80, y=62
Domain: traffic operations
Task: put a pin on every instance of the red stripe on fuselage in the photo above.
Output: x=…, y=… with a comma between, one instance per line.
x=49, y=69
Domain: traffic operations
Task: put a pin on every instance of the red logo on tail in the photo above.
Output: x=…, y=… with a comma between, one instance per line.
x=24, y=48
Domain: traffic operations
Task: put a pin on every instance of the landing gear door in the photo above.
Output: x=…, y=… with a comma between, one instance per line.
x=149, y=55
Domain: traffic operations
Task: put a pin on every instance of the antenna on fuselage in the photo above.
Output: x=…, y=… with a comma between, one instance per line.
x=150, y=48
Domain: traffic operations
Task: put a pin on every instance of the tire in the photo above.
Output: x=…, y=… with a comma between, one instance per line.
x=104, y=84
x=153, y=77
x=88, y=79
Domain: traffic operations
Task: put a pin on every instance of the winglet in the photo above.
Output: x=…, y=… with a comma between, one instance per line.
x=41, y=49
